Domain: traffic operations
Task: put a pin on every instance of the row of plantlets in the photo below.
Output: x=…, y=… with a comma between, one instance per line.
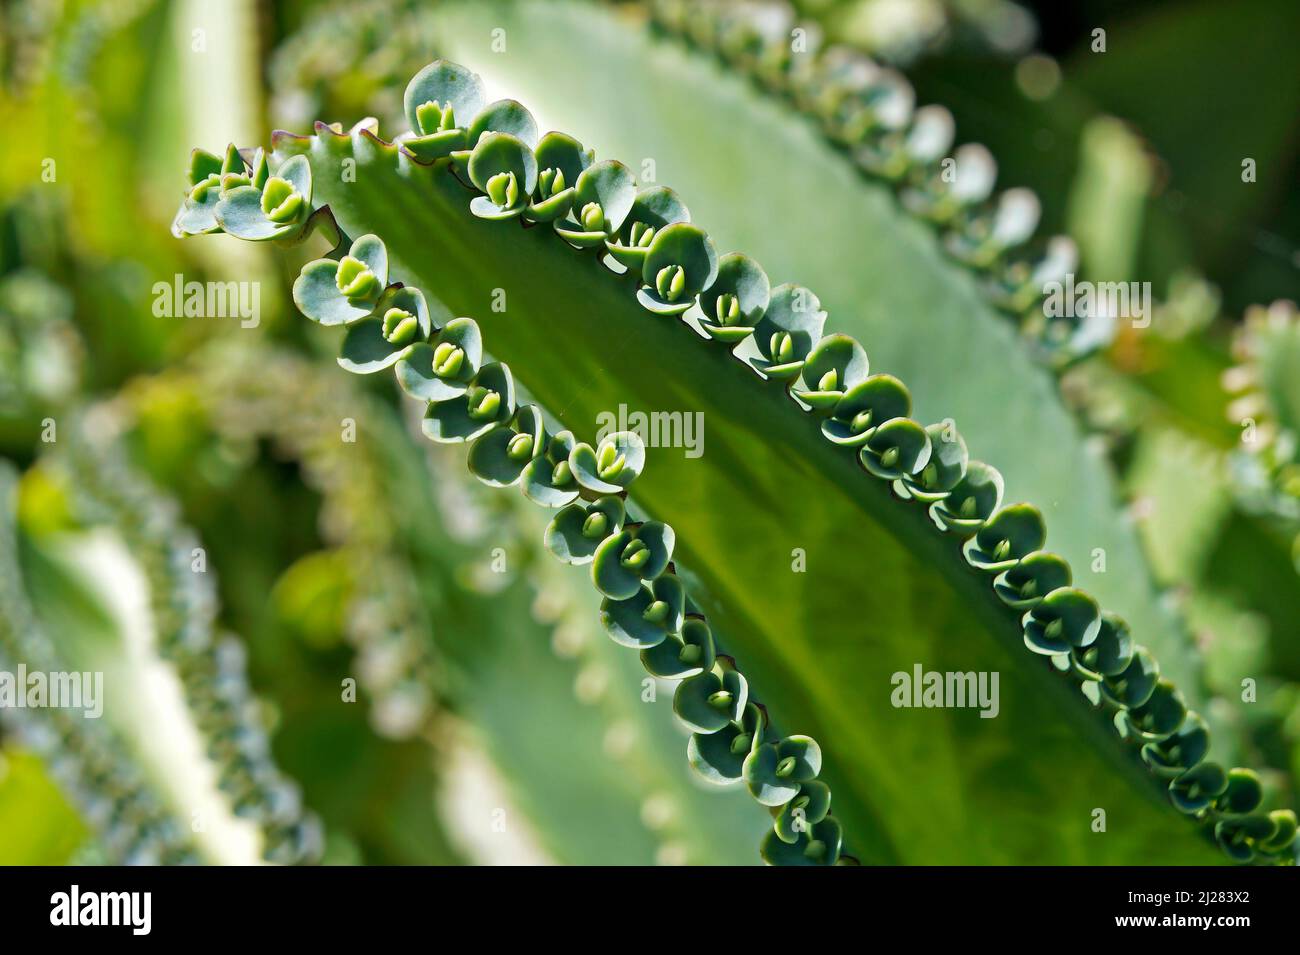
x=183, y=606
x=688, y=824
x=254, y=394
x=831, y=84
x=869, y=112
x=1267, y=403
x=778, y=332
x=87, y=760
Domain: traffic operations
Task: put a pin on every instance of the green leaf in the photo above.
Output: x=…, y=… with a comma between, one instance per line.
x=808, y=807
x=890, y=287
x=560, y=161
x=503, y=116
x=1028, y=582
x=708, y=702
x=836, y=363
x=489, y=401
x=760, y=446
x=274, y=211
x=647, y=618
x=679, y=264
x=775, y=772
x=41, y=827
x=1063, y=620
x=864, y=407
x=654, y=208
x=577, y=531
x=445, y=84
x=820, y=845
x=786, y=333
x=500, y=456
x=338, y=292
x=682, y=655
x=401, y=321
x=1010, y=535
x=444, y=367
x=635, y=554
x=897, y=449
x=548, y=479
x=202, y=165
x=602, y=198
x=505, y=168
x=737, y=299
x=600, y=779
x=612, y=466
x=720, y=757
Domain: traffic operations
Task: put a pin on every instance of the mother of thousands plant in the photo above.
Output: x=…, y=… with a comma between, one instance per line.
x=613, y=287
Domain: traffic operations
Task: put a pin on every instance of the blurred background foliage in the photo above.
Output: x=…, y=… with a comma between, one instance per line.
x=379, y=561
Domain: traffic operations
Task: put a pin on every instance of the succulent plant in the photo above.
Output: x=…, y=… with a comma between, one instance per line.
x=633, y=561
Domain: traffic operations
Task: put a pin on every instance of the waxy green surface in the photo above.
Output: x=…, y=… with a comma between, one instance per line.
x=881, y=592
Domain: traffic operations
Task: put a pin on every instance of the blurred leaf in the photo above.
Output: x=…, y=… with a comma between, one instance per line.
x=312, y=595
x=1181, y=491
x=1210, y=86
x=1107, y=200
x=40, y=827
